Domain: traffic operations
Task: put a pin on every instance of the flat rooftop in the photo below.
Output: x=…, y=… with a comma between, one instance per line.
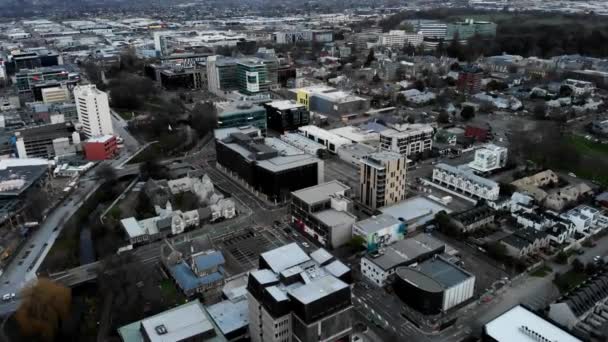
x=282, y=258
x=317, y=289
x=333, y=217
x=376, y=223
x=420, y=209
x=230, y=315
x=520, y=324
x=443, y=272
x=285, y=104
x=406, y=251
x=321, y=192
x=177, y=324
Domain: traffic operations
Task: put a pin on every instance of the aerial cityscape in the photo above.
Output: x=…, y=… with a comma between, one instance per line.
x=336, y=171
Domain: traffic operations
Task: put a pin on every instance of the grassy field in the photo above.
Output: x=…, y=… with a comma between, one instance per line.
x=541, y=272
x=592, y=154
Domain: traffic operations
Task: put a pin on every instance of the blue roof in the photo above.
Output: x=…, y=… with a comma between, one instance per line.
x=188, y=280
x=374, y=126
x=205, y=261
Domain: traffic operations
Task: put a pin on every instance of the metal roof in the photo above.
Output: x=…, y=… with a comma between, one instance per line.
x=467, y=174
x=230, y=315
x=321, y=192
x=510, y=327
x=333, y=217
x=317, y=289
x=376, y=223
x=445, y=273
x=183, y=322
x=284, y=257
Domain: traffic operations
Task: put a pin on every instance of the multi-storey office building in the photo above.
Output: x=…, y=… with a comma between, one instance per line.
x=488, y=158
x=258, y=162
x=297, y=297
x=93, y=110
x=45, y=141
x=33, y=80
x=248, y=75
x=469, y=28
x=239, y=114
x=286, y=115
x=322, y=212
x=410, y=140
x=382, y=179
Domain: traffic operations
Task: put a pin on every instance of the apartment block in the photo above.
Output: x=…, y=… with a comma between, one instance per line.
x=382, y=179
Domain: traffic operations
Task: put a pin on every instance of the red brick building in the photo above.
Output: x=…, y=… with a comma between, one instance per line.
x=469, y=80
x=478, y=133
x=101, y=148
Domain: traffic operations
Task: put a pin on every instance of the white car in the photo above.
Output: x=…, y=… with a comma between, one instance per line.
x=305, y=244
x=8, y=296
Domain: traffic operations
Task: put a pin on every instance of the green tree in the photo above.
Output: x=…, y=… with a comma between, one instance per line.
x=371, y=56
x=540, y=111
x=357, y=242
x=203, y=118
x=561, y=258
x=467, y=113
x=443, y=117
x=497, y=250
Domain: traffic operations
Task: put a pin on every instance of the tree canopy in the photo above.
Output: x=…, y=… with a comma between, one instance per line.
x=44, y=306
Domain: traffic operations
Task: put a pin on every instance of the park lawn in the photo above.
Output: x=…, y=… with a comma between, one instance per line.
x=592, y=151
x=541, y=272
x=585, y=146
x=170, y=293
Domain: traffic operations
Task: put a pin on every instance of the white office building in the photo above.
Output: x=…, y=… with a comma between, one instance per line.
x=93, y=110
x=488, y=158
x=407, y=139
x=326, y=138
x=400, y=38
x=463, y=180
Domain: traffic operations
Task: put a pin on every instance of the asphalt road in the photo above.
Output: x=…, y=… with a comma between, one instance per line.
x=24, y=266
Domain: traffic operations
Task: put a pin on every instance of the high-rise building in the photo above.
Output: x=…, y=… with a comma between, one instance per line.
x=382, y=179
x=294, y=296
x=469, y=80
x=249, y=75
x=93, y=110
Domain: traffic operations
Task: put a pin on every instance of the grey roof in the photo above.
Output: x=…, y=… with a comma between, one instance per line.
x=419, y=209
x=321, y=192
x=230, y=315
x=180, y=323
x=285, y=257
x=516, y=241
x=29, y=174
x=406, y=251
x=321, y=256
x=444, y=272
x=419, y=279
x=467, y=174
x=276, y=293
x=264, y=276
x=337, y=268
x=376, y=223
x=317, y=289
x=333, y=217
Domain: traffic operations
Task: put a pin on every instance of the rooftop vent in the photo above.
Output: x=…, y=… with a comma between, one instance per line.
x=161, y=329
